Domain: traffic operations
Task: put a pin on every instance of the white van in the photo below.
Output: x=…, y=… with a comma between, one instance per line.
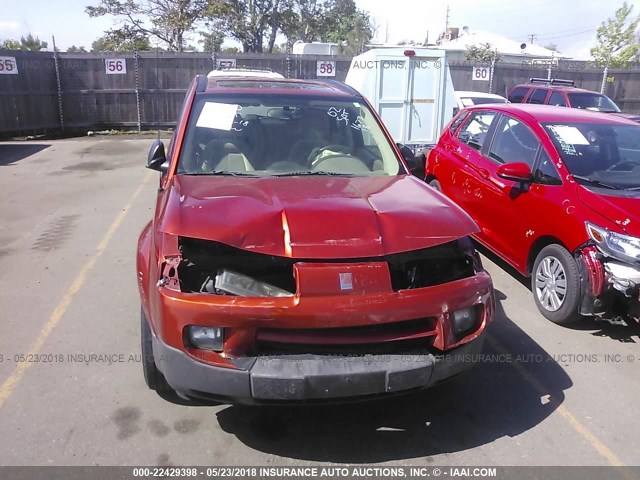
x=411, y=89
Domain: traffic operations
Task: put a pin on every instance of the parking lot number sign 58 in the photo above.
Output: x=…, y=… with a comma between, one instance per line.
x=115, y=66
x=326, y=68
x=8, y=66
x=481, y=73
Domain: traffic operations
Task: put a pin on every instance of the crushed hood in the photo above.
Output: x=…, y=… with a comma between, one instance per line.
x=314, y=217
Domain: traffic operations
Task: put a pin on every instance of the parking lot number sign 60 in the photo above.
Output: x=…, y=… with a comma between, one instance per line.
x=115, y=66
x=481, y=73
x=8, y=66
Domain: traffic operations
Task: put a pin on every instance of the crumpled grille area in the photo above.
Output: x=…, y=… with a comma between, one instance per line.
x=433, y=266
x=205, y=260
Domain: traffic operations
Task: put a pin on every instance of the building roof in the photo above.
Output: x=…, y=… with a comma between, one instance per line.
x=504, y=45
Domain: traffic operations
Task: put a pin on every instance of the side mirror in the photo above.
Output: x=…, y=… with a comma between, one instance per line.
x=157, y=159
x=516, y=171
x=408, y=156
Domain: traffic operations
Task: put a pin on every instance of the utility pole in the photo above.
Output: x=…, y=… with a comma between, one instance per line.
x=446, y=22
x=532, y=37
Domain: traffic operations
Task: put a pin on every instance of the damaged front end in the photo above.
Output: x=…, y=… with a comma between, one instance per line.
x=610, y=274
x=438, y=297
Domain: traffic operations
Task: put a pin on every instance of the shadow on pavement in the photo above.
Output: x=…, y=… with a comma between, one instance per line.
x=12, y=153
x=491, y=401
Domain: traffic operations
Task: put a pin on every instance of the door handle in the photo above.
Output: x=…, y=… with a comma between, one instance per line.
x=484, y=173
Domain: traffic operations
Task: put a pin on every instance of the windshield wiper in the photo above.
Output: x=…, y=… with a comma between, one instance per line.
x=223, y=172
x=596, y=183
x=318, y=172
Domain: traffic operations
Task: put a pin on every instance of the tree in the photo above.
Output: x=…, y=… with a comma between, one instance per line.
x=552, y=46
x=212, y=41
x=10, y=44
x=171, y=21
x=254, y=23
x=117, y=41
x=481, y=53
x=616, y=39
x=32, y=43
x=74, y=49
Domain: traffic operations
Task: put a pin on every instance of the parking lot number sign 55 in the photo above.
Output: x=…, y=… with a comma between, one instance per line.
x=8, y=66
x=115, y=66
x=326, y=68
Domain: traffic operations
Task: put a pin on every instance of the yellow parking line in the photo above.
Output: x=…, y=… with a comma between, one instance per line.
x=594, y=441
x=9, y=384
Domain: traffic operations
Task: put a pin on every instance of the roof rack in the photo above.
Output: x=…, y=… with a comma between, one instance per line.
x=553, y=81
x=244, y=68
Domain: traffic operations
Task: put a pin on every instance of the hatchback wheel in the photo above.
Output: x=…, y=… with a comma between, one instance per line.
x=555, y=284
x=152, y=376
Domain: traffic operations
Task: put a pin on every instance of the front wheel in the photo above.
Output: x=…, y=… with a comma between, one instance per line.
x=152, y=375
x=555, y=284
x=435, y=184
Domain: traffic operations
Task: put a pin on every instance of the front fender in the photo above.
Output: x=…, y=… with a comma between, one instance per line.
x=142, y=267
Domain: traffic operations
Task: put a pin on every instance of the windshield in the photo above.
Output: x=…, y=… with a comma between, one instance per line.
x=281, y=135
x=593, y=101
x=603, y=154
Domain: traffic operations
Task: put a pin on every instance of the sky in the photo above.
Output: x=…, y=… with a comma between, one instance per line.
x=570, y=24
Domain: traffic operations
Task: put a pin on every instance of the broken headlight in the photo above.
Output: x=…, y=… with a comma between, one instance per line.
x=616, y=245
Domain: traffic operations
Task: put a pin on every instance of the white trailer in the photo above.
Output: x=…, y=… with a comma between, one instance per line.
x=411, y=89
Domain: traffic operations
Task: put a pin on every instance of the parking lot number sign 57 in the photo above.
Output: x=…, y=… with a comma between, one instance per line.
x=8, y=66
x=114, y=66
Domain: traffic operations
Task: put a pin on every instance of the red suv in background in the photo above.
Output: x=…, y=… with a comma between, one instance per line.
x=556, y=193
x=563, y=93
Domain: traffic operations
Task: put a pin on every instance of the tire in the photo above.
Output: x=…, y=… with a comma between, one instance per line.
x=152, y=376
x=435, y=184
x=555, y=284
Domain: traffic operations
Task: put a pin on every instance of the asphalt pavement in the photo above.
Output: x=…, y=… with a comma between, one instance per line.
x=72, y=391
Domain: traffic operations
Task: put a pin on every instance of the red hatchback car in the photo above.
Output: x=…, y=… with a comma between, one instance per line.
x=292, y=257
x=556, y=193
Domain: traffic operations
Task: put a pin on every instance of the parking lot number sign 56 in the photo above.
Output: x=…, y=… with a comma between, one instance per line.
x=115, y=66
x=481, y=73
x=8, y=66
x=326, y=68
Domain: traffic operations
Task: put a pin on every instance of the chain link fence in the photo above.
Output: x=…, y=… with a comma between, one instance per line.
x=70, y=93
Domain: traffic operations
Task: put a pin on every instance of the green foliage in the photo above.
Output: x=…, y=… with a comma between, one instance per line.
x=119, y=41
x=256, y=24
x=74, y=49
x=482, y=53
x=32, y=43
x=617, y=43
x=212, y=41
x=552, y=46
x=171, y=21
x=10, y=44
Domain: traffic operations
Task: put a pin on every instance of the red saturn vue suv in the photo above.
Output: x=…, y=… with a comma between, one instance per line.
x=292, y=257
x=556, y=193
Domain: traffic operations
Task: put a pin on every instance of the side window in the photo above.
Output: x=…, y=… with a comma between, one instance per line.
x=456, y=123
x=475, y=128
x=538, y=96
x=517, y=94
x=514, y=142
x=557, y=99
x=546, y=172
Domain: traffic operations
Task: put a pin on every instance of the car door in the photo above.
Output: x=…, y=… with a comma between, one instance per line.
x=508, y=212
x=458, y=177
